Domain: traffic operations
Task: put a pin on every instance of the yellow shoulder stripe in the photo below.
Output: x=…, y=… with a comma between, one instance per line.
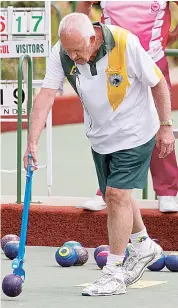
x=117, y=79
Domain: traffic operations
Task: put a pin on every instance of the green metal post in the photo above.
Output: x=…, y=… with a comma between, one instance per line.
x=19, y=123
x=74, y=4
x=30, y=91
x=145, y=191
x=171, y=52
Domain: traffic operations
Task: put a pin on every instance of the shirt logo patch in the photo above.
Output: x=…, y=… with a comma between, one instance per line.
x=155, y=7
x=115, y=80
x=74, y=71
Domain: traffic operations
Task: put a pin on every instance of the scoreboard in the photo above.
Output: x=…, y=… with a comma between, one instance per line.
x=24, y=31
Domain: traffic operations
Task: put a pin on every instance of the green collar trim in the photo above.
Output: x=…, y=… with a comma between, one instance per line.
x=108, y=43
x=107, y=35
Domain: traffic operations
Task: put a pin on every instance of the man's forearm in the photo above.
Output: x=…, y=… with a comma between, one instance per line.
x=40, y=110
x=84, y=7
x=162, y=100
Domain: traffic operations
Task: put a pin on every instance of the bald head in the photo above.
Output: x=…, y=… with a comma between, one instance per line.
x=77, y=36
x=76, y=23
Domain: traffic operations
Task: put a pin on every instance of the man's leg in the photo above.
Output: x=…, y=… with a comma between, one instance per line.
x=139, y=237
x=138, y=224
x=143, y=251
x=120, y=219
x=165, y=180
x=129, y=170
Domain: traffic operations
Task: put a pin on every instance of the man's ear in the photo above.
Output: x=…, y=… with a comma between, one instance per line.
x=92, y=39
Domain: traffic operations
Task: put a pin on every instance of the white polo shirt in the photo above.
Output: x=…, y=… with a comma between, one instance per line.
x=135, y=121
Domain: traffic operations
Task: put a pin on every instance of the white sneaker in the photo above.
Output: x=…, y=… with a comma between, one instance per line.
x=136, y=263
x=167, y=204
x=94, y=204
x=110, y=283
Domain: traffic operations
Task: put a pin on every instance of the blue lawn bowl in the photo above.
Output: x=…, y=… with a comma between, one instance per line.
x=66, y=256
x=7, y=238
x=12, y=285
x=158, y=265
x=99, y=249
x=171, y=262
x=101, y=258
x=72, y=244
x=11, y=249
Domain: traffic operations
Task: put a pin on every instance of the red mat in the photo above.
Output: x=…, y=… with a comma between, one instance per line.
x=53, y=225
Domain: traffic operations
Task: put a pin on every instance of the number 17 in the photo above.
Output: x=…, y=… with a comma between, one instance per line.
x=37, y=23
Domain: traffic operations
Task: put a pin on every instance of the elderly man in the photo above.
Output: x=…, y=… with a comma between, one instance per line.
x=116, y=81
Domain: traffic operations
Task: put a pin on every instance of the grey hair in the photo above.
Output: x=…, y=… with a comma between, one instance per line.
x=77, y=22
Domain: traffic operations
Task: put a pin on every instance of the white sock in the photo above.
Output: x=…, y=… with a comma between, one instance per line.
x=141, y=241
x=115, y=261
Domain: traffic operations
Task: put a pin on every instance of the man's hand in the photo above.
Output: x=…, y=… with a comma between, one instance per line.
x=32, y=149
x=165, y=141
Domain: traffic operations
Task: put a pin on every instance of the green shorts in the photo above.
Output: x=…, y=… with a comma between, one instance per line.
x=125, y=169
